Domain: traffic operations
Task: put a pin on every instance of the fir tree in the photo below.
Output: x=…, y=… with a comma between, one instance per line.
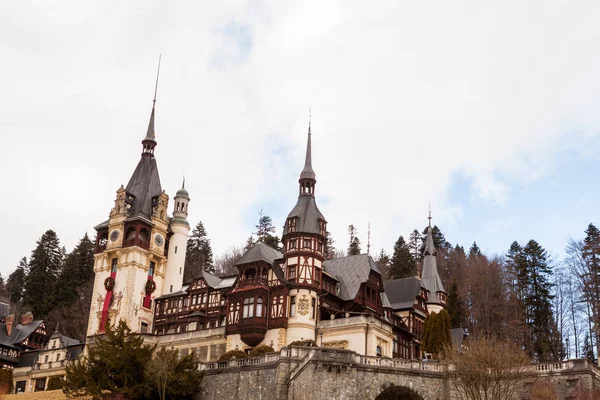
x=456, y=306
x=538, y=300
x=474, y=251
x=265, y=229
x=415, y=242
x=402, y=264
x=329, y=247
x=439, y=240
x=77, y=271
x=436, y=335
x=16, y=281
x=354, y=244
x=198, y=256
x=383, y=263
x=116, y=364
x=44, y=268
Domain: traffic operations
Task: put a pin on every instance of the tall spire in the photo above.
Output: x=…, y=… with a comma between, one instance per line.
x=307, y=172
x=149, y=141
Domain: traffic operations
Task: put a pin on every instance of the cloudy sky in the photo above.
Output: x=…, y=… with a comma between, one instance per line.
x=491, y=112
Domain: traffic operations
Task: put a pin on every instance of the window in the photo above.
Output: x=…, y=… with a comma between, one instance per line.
x=378, y=351
x=57, y=357
x=46, y=359
x=320, y=247
x=292, y=244
x=307, y=243
x=179, y=270
x=395, y=346
x=248, y=310
x=293, y=306
x=292, y=272
x=175, y=249
x=151, y=268
x=313, y=307
x=113, y=267
x=259, y=307
x=171, y=289
x=40, y=384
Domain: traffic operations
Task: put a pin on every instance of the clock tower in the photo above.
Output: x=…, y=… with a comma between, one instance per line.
x=131, y=248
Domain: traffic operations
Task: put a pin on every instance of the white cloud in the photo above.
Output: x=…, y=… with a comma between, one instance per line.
x=404, y=95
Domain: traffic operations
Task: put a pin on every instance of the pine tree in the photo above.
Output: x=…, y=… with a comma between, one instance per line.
x=456, y=306
x=590, y=276
x=402, y=264
x=44, y=268
x=538, y=300
x=329, y=247
x=198, y=256
x=354, y=244
x=415, y=241
x=265, y=229
x=474, y=251
x=77, y=271
x=16, y=281
x=383, y=263
x=436, y=335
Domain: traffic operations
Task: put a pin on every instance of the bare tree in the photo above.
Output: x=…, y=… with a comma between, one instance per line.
x=225, y=263
x=490, y=369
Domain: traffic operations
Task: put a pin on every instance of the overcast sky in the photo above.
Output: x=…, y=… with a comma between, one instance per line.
x=489, y=111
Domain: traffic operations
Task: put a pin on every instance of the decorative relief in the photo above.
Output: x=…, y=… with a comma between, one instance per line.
x=337, y=344
x=303, y=306
x=114, y=235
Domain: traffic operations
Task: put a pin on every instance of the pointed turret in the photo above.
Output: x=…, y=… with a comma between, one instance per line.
x=306, y=217
x=430, y=275
x=149, y=142
x=307, y=176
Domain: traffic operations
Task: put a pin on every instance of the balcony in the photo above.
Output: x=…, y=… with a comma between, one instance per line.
x=256, y=281
x=136, y=242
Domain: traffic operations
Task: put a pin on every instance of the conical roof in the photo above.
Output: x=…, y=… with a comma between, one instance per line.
x=430, y=275
x=308, y=172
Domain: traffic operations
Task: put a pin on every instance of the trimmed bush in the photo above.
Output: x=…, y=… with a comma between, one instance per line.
x=304, y=343
x=55, y=383
x=399, y=393
x=261, y=349
x=232, y=354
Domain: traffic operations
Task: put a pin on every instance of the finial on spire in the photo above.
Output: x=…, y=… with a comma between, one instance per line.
x=307, y=172
x=183, y=184
x=369, y=239
x=157, y=74
x=429, y=218
x=309, y=119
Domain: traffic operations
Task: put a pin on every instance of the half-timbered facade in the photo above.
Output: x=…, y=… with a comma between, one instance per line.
x=278, y=296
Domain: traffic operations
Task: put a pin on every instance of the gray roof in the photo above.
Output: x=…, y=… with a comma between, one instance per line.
x=308, y=215
x=403, y=292
x=144, y=185
x=28, y=358
x=260, y=252
x=385, y=302
x=18, y=334
x=151, y=134
x=430, y=276
x=351, y=272
x=212, y=280
x=307, y=172
x=227, y=282
x=75, y=351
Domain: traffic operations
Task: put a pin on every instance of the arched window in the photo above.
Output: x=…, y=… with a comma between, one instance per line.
x=259, y=307
x=248, y=310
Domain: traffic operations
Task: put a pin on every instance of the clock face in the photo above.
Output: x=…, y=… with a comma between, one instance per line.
x=114, y=235
x=158, y=239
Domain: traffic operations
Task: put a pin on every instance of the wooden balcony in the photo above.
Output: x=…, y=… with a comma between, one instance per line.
x=136, y=242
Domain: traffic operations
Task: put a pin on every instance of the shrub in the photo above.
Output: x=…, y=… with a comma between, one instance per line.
x=399, y=393
x=262, y=349
x=55, y=383
x=304, y=343
x=232, y=354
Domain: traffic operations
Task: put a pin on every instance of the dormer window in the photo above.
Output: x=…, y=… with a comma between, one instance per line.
x=292, y=225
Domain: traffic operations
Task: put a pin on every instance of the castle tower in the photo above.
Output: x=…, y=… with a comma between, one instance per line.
x=177, y=242
x=436, y=298
x=130, y=258
x=304, y=239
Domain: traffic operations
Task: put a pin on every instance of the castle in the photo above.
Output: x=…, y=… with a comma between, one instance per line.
x=276, y=298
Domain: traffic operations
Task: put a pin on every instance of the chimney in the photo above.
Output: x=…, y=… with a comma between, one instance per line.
x=9, y=323
x=26, y=318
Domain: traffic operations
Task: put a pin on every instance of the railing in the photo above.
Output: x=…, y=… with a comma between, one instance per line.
x=136, y=242
x=399, y=363
x=242, y=362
